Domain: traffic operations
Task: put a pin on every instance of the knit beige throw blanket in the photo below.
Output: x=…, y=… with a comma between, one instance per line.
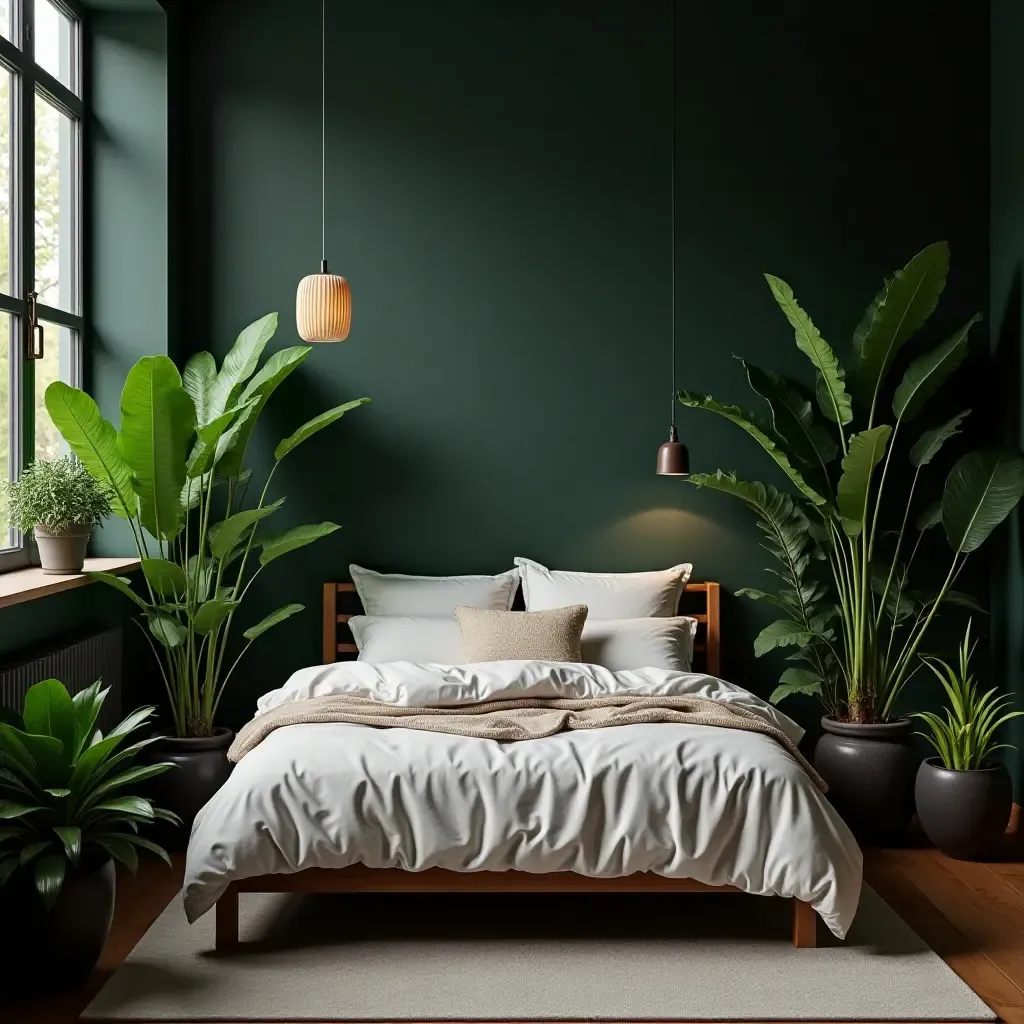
x=508, y=720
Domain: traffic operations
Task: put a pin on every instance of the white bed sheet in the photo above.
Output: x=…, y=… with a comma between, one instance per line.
x=685, y=801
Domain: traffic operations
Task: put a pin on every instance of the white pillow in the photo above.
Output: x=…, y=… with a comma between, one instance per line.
x=607, y=595
x=624, y=644
x=413, y=638
x=399, y=594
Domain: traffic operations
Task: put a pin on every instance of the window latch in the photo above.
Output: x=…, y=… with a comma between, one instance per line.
x=34, y=342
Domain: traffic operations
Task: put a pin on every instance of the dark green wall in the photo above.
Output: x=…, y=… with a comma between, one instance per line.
x=1007, y=226
x=497, y=197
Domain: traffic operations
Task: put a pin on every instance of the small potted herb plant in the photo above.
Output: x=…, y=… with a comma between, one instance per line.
x=964, y=796
x=59, y=502
x=67, y=812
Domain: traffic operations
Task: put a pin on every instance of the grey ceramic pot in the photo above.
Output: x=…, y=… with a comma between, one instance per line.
x=870, y=771
x=202, y=767
x=963, y=813
x=62, y=552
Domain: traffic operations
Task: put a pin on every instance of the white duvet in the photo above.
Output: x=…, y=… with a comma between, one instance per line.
x=685, y=801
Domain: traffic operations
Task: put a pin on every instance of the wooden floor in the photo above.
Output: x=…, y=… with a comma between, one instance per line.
x=972, y=915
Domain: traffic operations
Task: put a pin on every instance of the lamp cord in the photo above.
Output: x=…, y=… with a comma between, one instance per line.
x=672, y=193
x=323, y=136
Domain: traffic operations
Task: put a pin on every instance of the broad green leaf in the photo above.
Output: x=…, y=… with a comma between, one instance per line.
x=57, y=794
x=121, y=583
x=310, y=427
x=132, y=721
x=88, y=703
x=71, y=837
x=121, y=850
x=930, y=516
x=809, y=340
x=168, y=631
x=225, y=535
x=981, y=491
x=926, y=374
x=157, y=423
x=12, y=809
x=131, y=805
x=930, y=442
x=285, y=612
x=279, y=544
x=257, y=393
x=797, y=680
x=197, y=379
x=147, y=844
x=94, y=440
x=854, y=492
x=166, y=578
x=204, y=451
x=782, y=633
x=240, y=363
x=793, y=420
x=51, y=764
x=50, y=711
x=899, y=310
x=735, y=415
x=211, y=614
x=49, y=877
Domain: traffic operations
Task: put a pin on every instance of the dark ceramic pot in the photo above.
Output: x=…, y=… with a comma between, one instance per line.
x=963, y=813
x=59, y=947
x=870, y=771
x=202, y=767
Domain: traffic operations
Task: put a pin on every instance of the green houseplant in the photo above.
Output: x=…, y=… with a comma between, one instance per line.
x=964, y=796
x=59, y=502
x=67, y=808
x=852, y=621
x=175, y=472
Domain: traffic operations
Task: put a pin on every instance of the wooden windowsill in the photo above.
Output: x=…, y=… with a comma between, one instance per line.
x=29, y=584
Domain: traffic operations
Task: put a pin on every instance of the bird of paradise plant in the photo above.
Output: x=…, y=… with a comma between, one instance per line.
x=175, y=471
x=856, y=627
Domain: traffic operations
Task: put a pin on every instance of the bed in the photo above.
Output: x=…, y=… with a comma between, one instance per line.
x=278, y=826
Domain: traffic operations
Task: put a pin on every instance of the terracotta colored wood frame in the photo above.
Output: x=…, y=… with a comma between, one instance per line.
x=701, y=600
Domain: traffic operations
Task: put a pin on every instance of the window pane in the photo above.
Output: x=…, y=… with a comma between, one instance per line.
x=5, y=180
x=55, y=365
x=55, y=215
x=53, y=41
x=6, y=8
x=7, y=538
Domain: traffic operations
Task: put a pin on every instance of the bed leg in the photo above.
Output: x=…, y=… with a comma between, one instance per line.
x=226, y=912
x=805, y=925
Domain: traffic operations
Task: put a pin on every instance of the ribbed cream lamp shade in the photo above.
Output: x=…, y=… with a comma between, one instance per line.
x=323, y=308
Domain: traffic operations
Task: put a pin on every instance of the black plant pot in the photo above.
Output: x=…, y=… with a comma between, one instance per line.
x=963, y=813
x=202, y=767
x=870, y=772
x=59, y=947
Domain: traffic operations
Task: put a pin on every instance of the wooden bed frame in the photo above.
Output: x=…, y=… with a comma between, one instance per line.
x=699, y=600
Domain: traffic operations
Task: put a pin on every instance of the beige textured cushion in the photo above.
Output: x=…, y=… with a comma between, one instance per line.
x=552, y=635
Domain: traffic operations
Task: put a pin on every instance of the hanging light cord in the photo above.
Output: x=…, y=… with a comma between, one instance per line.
x=323, y=136
x=672, y=193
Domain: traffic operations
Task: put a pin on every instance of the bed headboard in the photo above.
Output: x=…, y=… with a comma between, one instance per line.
x=698, y=600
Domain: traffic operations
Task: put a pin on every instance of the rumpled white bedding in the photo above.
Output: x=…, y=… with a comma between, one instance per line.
x=685, y=801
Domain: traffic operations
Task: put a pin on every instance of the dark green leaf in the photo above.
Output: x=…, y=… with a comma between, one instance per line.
x=49, y=711
x=930, y=442
x=854, y=492
x=926, y=374
x=49, y=875
x=166, y=578
x=71, y=837
x=309, y=428
x=12, y=809
x=88, y=703
x=225, y=535
x=298, y=537
x=285, y=612
x=211, y=614
x=170, y=632
x=121, y=850
x=782, y=633
x=121, y=583
x=981, y=491
x=797, y=680
x=240, y=363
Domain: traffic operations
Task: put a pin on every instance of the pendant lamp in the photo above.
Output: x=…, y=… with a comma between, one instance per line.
x=323, y=302
x=673, y=458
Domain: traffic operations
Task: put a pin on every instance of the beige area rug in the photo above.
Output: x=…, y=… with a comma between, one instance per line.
x=534, y=957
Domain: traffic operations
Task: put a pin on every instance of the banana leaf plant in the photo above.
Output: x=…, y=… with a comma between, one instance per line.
x=175, y=472
x=66, y=788
x=851, y=620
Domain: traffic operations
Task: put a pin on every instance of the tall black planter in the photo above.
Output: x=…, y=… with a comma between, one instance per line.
x=202, y=767
x=870, y=771
x=58, y=948
x=964, y=813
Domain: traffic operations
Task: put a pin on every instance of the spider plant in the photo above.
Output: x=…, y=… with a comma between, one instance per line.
x=965, y=738
x=851, y=618
x=66, y=788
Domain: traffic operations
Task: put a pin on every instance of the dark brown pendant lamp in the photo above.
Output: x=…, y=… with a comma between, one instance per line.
x=673, y=458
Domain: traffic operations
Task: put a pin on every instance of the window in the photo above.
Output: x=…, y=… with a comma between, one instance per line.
x=40, y=231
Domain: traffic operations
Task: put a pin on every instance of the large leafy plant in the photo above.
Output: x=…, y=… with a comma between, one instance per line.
x=175, y=472
x=66, y=789
x=965, y=739
x=851, y=619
